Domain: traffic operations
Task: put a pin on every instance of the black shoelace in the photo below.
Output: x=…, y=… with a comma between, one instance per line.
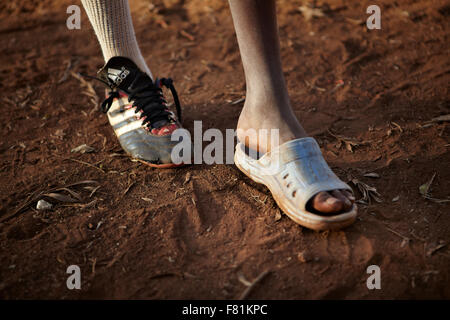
x=148, y=99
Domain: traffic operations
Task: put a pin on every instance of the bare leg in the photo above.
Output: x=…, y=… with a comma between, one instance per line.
x=267, y=104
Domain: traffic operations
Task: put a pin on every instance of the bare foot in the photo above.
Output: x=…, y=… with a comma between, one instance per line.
x=283, y=119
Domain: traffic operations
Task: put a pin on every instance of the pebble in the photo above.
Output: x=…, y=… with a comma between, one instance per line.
x=43, y=205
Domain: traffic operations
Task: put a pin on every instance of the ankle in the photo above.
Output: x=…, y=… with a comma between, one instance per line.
x=269, y=115
x=263, y=130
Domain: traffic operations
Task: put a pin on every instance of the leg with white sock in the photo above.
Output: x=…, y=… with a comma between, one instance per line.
x=135, y=106
x=112, y=23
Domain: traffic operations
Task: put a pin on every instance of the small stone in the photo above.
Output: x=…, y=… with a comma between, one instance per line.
x=43, y=205
x=396, y=199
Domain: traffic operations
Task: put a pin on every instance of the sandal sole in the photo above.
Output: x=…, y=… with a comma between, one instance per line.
x=326, y=223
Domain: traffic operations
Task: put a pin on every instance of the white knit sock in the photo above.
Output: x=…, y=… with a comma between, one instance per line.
x=111, y=20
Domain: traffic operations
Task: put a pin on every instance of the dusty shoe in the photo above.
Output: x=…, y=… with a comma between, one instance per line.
x=138, y=112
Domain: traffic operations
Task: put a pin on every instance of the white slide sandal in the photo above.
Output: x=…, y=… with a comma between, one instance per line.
x=294, y=172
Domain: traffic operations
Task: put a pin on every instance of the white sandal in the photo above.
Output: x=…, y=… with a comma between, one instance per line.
x=294, y=172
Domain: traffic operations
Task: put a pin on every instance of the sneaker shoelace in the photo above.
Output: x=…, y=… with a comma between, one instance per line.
x=148, y=100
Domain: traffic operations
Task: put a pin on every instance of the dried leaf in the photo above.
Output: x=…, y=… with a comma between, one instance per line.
x=60, y=197
x=396, y=126
x=187, y=35
x=425, y=191
x=355, y=21
x=372, y=175
x=36, y=195
x=348, y=142
x=187, y=178
x=84, y=148
x=348, y=146
x=59, y=134
x=425, y=188
x=93, y=191
x=89, y=90
x=277, y=215
x=81, y=205
x=436, y=248
x=367, y=191
x=244, y=281
x=237, y=101
x=436, y=200
x=129, y=187
x=311, y=12
x=404, y=242
x=441, y=118
x=73, y=193
x=99, y=224
x=81, y=182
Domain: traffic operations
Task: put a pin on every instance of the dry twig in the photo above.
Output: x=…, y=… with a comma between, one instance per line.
x=253, y=284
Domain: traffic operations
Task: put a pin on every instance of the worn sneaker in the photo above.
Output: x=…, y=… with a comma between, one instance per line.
x=138, y=112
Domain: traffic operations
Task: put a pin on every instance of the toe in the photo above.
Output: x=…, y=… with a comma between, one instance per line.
x=346, y=202
x=349, y=195
x=324, y=202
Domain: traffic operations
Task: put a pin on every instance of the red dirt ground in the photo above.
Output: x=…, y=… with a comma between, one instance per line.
x=195, y=237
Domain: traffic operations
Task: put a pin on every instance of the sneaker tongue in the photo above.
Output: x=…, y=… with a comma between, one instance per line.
x=160, y=123
x=120, y=73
